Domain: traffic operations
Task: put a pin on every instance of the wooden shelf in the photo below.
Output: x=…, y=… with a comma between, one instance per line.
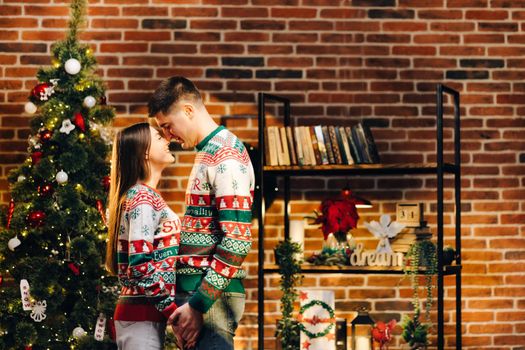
x=360, y=169
x=309, y=268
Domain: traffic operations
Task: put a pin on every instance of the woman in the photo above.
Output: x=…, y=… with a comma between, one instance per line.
x=143, y=238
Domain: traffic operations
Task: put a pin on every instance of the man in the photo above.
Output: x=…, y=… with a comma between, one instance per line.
x=215, y=236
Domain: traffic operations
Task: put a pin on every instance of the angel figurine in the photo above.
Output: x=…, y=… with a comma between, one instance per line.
x=384, y=230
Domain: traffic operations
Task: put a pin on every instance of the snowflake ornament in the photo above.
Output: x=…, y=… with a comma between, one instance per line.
x=67, y=126
x=384, y=230
x=38, y=313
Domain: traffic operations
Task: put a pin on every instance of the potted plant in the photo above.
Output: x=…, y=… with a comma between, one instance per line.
x=337, y=216
x=420, y=258
x=415, y=333
x=286, y=257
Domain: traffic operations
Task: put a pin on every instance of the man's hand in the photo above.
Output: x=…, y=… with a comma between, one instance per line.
x=187, y=323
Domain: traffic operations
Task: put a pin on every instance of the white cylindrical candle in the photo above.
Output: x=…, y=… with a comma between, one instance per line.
x=362, y=343
x=297, y=232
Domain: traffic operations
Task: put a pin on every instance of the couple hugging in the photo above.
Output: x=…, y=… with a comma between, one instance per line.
x=187, y=273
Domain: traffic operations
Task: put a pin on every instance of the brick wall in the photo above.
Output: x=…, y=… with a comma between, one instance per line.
x=341, y=61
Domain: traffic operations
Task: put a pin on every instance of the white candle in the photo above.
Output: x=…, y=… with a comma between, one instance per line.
x=297, y=232
x=362, y=343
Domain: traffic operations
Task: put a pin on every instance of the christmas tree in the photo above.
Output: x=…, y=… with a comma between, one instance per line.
x=54, y=292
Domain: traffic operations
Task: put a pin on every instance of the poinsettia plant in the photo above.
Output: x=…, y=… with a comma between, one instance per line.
x=338, y=216
x=382, y=333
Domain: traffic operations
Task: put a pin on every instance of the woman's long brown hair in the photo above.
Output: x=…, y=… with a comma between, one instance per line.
x=128, y=166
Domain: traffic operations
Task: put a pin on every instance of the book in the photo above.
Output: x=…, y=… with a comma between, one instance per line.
x=284, y=145
x=364, y=143
x=278, y=145
x=372, y=148
x=335, y=145
x=328, y=145
x=321, y=144
x=291, y=145
x=346, y=146
x=353, y=146
x=315, y=144
x=308, y=146
x=298, y=145
x=271, y=155
x=360, y=145
x=340, y=145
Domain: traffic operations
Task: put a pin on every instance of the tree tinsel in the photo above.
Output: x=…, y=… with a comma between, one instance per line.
x=286, y=253
x=61, y=256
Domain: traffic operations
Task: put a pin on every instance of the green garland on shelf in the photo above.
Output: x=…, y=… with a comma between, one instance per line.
x=286, y=253
x=324, y=306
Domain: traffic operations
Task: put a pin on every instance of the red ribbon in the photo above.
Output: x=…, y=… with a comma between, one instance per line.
x=10, y=212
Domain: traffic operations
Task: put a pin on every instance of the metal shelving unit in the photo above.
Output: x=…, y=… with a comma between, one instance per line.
x=439, y=168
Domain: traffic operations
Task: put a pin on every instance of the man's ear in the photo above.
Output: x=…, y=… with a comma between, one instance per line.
x=189, y=110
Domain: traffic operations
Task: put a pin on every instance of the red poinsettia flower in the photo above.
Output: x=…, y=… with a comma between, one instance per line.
x=382, y=332
x=337, y=216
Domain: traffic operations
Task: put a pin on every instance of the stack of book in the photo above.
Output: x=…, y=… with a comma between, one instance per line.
x=320, y=145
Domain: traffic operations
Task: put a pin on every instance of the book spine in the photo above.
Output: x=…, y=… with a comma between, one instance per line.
x=340, y=145
x=307, y=142
x=346, y=146
x=279, y=148
x=315, y=144
x=321, y=144
x=284, y=144
x=299, y=145
x=291, y=146
x=353, y=146
x=358, y=145
x=372, y=148
x=335, y=146
x=328, y=144
x=272, y=147
x=364, y=144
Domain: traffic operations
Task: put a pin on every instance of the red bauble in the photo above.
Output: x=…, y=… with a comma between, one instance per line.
x=78, y=120
x=45, y=190
x=36, y=218
x=1, y=279
x=106, y=181
x=43, y=91
x=36, y=157
x=46, y=135
x=28, y=347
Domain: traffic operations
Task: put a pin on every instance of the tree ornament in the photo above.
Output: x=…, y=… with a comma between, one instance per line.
x=13, y=243
x=90, y=102
x=78, y=120
x=67, y=126
x=43, y=91
x=78, y=332
x=45, y=135
x=28, y=347
x=384, y=230
x=30, y=108
x=25, y=295
x=45, y=190
x=21, y=178
x=38, y=312
x=61, y=177
x=36, y=218
x=10, y=212
x=72, y=66
x=106, y=182
x=100, y=327
x=74, y=268
x=100, y=208
x=1, y=281
x=36, y=157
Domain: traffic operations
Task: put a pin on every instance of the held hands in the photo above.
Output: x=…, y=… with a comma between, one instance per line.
x=186, y=323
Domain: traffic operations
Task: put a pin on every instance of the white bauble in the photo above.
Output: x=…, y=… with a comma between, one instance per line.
x=79, y=332
x=21, y=178
x=90, y=102
x=72, y=66
x=13, y=243
x=61, y=177
x=30, y=108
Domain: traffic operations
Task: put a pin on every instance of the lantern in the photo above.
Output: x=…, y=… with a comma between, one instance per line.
x=362, y=330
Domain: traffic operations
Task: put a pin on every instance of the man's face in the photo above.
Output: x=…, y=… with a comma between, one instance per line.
x=177, y=125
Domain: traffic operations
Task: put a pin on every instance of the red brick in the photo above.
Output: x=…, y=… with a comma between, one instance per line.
x=242, y=12
x=114, y=23
x=46, y=11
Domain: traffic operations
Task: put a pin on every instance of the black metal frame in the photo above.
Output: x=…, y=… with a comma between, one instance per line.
x=440, y=168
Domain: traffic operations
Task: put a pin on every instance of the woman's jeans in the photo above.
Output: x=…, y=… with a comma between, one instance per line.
x=220, y=322
x=140, y=335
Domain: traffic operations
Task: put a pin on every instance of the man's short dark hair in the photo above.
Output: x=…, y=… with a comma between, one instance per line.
x=171, y=91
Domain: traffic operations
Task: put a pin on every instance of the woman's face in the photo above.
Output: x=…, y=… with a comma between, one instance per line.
x=159, y=152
